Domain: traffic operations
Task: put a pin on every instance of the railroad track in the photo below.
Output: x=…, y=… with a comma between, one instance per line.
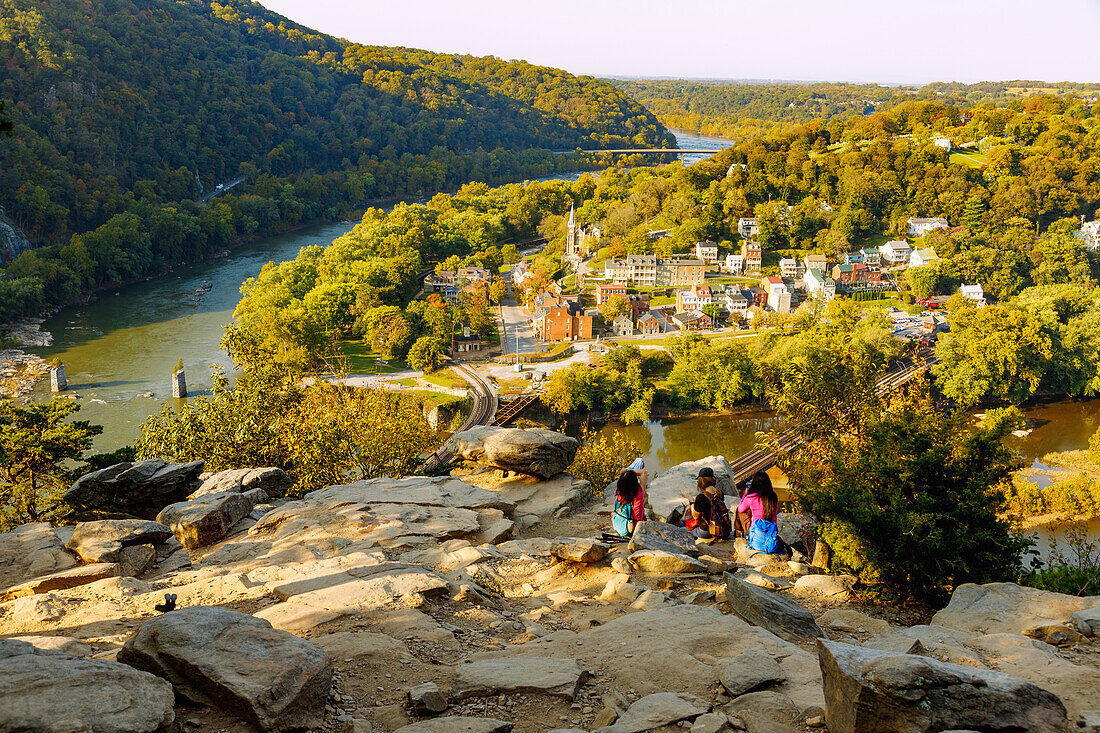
x=482, y=413
x=791, y=438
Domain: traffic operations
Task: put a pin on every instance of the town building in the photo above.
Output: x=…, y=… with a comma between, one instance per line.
x=692, y=320
x=734, y=301
x=819, y=285
x=920, y=227
x=623, y=326
x=733, y=264
x=466, y=342
x=639, y=304
x=895, y=252
x=751, y=256
x=943, y=142
x=975, y=294
x=788, y=267
x=562, y=323
x=470, y=274
x=604, y=291
x=923, y=256
x=748, y=227
x=580, y=241
x=815, y=262
x=779, y=295
x=855, y=274
x=655, y=322
x=706, y=251
x=443, y=283
x=758, y=296
x=653, y=271
x=1090, y=233
x=694, y=298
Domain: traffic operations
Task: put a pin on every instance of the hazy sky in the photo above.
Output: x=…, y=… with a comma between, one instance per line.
x=848, y=40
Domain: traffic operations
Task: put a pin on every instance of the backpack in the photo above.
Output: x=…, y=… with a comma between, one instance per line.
x=720, y=518
x=764, y=536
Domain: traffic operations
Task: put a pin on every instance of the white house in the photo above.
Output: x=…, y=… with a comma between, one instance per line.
x=943, y=142
x=923, y=256
x=694, y=299
x=707, y=251
x=734, y=301
x=975, y=294
x=779, y=295
x=895, y=252
x=623, y=326
x=788, y=267
x=1090, y=232
x=733, y=264
x=819, y=285
x=920, y=227
x=748, y=227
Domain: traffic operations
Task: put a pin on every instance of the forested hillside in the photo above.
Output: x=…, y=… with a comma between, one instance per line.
x=741, y=110
x=123, y=111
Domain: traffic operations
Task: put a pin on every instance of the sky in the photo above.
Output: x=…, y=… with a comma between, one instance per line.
x=886, y=41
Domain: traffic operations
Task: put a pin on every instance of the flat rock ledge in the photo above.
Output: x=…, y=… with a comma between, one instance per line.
x=545, y=675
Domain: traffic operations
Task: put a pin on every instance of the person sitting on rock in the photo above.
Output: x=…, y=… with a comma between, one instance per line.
x=757, y=513
x=707, y=516
x=630, y=498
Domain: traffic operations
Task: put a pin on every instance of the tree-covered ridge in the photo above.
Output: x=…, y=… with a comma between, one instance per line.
x=742, y=110
x=119, y=98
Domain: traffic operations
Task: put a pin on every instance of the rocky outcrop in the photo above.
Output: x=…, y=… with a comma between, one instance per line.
x=772, y=611
x=658, y=561
x=579, y=549
x=663, y=537
x=12, y=241
x=273, y=481
x=139, y=489
x=533, y=451
x=44, y=691
x=103, y=540
x=71, y=578
x=30, y=551
x=870, y=691
x=543, y=675
x=750, y=671
x=677, y=486
x=1008, y=608
x=204, y=520
x=270, y=678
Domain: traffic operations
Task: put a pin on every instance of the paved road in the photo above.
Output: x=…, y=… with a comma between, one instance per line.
x=514, y=319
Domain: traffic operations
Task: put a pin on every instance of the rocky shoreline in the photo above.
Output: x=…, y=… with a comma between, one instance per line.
x=20, y=372
x=487, y=601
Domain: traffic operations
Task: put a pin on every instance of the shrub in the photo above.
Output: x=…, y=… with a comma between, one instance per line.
x=1066, y=579
x=601, y=457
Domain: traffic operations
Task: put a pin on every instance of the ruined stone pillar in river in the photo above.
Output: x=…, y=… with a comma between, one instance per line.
x=179, y=384
x=57, y=378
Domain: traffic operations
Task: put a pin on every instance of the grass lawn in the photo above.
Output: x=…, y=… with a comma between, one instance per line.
x=434, y=398
x=446, y=378
x=361, y=358
x=971, y=160
x=662, y=300
x=512, y=386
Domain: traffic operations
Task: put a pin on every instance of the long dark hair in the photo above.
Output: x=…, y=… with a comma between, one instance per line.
x=704, y=481
x=627, y=487
x=761, y=485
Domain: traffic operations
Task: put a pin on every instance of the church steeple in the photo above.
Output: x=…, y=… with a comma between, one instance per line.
x=572, y=219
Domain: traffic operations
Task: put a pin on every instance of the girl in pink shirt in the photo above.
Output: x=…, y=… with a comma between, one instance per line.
x=758, y=502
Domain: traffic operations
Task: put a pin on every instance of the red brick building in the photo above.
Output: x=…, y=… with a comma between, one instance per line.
x=606, y=290
x=558, y=324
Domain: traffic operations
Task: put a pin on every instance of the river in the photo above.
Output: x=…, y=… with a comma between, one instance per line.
x=120, y=349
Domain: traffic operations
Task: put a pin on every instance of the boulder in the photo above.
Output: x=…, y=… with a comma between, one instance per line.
x=749, y=671
x=794, y=528
x=64, y=644
x=45, y=691
x=64, y=580
x=938, y=642
x=658, y=561
x=1055, y=635
x=135, y=560
x=827, y=586
x=237, y=662
x=849, y=620
x=272, y=481
x=544, y=675
x=140, y=489
x=872, y=691
x=663, y=537
x=768, y=703
x=101, y=540
x=458, y=725
x=1088, y=721
x=427, y=698
x=659, y=709
x=205, y=520
x=577, y=549
x=31, y=550
x=677, y=486
x=1008, y=608
x=1087, y=621
x=762, y=580
x=772, y=611
x=622, y=565
x=533, y=451
x=711, y=723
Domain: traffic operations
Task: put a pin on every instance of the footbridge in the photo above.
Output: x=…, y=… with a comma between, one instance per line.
x=762, y=459
x=645, y=151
